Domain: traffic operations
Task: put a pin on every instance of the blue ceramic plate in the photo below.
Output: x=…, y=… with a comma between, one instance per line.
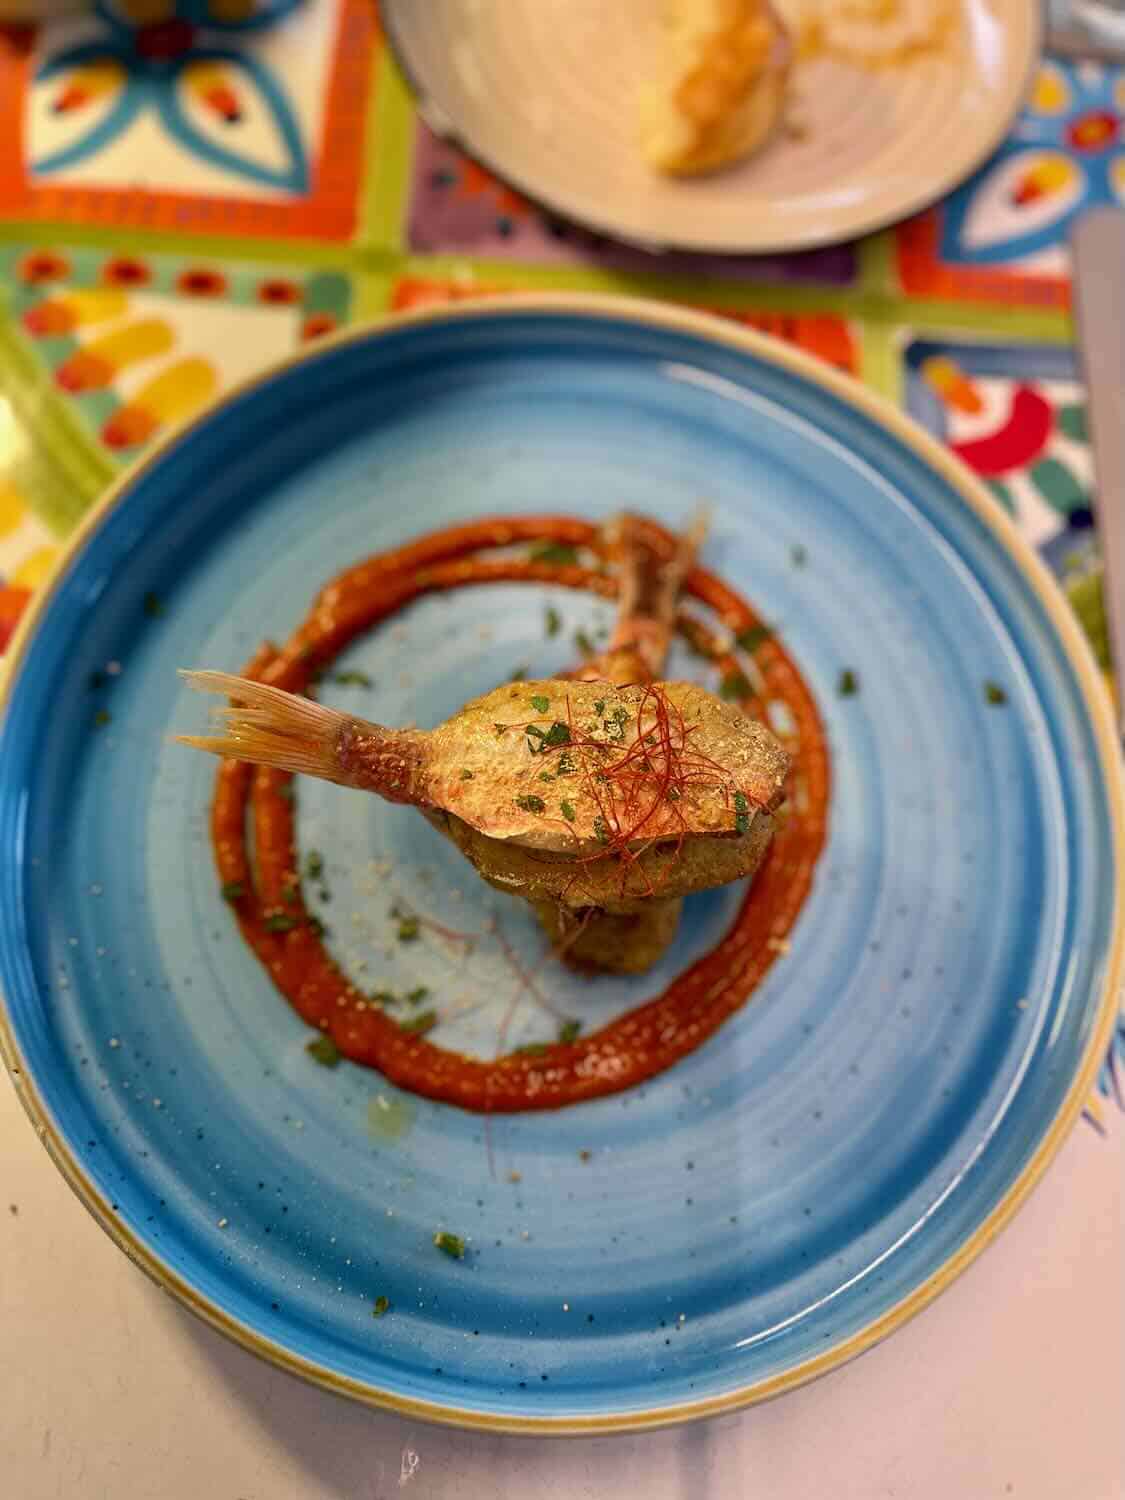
x=774, y=1203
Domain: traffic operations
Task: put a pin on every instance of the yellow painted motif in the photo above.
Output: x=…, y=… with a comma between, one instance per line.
x=13, y=509
x=77, y=308
x=134, y=342
x=201, y=76
x=94, y=304
x=83, y=85
x=1051, y=93
x=35, y=569
x=232, y=10
x=178, y=391
x=212, y=84
x=950, y=383
x=1050, y=174
x=147, y=12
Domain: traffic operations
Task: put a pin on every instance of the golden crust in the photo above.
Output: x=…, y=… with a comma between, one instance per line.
x=723, y=89
x=483, y=764
x=662, y=870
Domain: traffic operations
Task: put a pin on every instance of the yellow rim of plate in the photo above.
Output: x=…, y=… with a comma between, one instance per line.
x=1098, y=707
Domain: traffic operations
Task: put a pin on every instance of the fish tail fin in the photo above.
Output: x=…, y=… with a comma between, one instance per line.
x=270, y=727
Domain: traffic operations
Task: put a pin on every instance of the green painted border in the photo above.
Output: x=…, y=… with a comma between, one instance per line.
x=388, y=161
x=751, y=296
x=879, y=365
x=869, y=301
x=323, y=254
x=876, y=264
x=60, y=469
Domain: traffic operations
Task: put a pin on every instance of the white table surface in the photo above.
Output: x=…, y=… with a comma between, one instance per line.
x=1012, y=1383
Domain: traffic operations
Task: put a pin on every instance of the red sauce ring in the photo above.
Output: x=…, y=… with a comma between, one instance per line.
x=634, y=1046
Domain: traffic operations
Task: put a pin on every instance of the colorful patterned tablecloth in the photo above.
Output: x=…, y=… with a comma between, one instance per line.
x=189, y=188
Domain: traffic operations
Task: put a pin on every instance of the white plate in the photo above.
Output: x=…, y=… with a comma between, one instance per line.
x=543, y=93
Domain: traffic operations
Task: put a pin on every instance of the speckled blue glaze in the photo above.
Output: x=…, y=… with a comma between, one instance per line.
x=819, y=1159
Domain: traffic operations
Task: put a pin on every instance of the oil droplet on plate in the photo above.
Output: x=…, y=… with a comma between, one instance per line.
x=388, y=1118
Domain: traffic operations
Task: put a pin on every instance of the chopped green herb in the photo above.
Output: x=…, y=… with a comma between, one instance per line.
x=994, y=694
x=848, y=685
x=672, y=794
x=233, y=890
x=539, y=740
x=383, y=997
x=565, y=766
x=101, y=718
x=741, y=813
x=287, y=792
x=289, y=894
x=381, y=1306
x=798, y=556
x=418, y=1025
x=755, y=636
x=153, y=606
x=599, y=707
x=408, y=929
x=553, y=620
x=601, y=832
x=417, y=994
x=584, y=643
x=324, y=894
x=531, y=1049
x=280, y=922
x=324, y=1051
x=316, y=926
x=466, y=774
x=501, y=728
x=540, y=704
x=314, y=864
x=553, y=552
x=531, y=804
x=546, y=776
x=568, y=811
x=568, y=1031
x=734, y=686
x=450, y=1244
x=519, y=675
x=614, y=724
x=352, y=678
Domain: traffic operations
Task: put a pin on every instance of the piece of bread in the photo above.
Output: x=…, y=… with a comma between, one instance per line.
x=722, y=86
